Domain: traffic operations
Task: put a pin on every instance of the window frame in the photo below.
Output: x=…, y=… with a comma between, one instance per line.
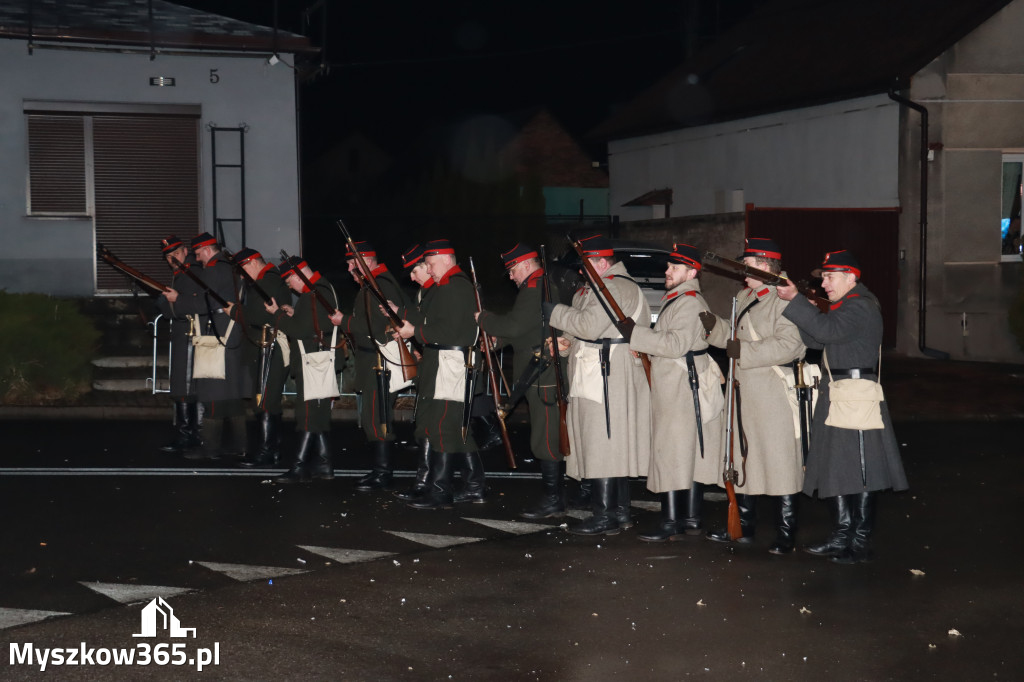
x=1009, y=157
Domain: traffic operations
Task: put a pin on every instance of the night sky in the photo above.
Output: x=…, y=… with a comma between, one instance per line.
x=396, y=68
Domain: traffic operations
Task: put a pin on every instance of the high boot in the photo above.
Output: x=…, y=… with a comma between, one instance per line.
x=182, y=429
x=212, y=434
x=439, y=482
x=268, y=453
x=299, y=473
x=672, y=523
x=580, y=500
x=862, y=511
x=235, y=438
x=622, y=504
x=840, y=538
x=419, y=486
x=474, y=485
x=486, y=431
x=195, y=421
x=321, y=467
x=603, y=521
x=552, y=501
x=692, y=524
x=748, y=520
x=379, y=477
x=785, y=539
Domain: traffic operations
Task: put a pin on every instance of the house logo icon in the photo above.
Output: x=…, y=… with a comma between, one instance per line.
x=158, y=614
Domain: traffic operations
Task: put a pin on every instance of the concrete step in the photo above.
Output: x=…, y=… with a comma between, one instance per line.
x=129, y=361
x=128, y=385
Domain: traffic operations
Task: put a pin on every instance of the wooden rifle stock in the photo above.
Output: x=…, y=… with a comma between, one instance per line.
x=407, y=361
x=492, y=375
x=716, y=262
x=560, y=395
x=125, y=269
x=734, y=527
x=199, y=281
x=598, y=285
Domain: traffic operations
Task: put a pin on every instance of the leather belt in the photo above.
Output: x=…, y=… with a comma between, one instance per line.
x=439, y=346
x=855, y=373
x=697, y=353
x=602, y=342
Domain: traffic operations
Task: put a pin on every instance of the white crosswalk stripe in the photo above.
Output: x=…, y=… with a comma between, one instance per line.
x=127, y=594
x=11, y=617
x=246, y=572
x=517, y=527
x=345, y=556
x=436, y=541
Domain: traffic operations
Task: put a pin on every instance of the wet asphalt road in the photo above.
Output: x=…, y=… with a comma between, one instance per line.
x=514, y=602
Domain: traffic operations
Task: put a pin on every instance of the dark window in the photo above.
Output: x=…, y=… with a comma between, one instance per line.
x=56, y=165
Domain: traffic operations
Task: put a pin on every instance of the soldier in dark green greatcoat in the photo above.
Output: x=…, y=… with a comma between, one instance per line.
x=263, y=351
x=447, y=332
x=307, y=323
x=367, y=326
x=523, y=328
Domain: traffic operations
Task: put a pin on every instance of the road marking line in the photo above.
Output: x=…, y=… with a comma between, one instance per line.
x=11, y=617
x=436, y=541
x=246, y=572
x=128, y=594
x=517, y=527
x=346, y=556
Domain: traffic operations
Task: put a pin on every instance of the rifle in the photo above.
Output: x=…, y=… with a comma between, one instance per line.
x=734, y=528
x=716, y=262
x=803, y=401
x=598, y=286
x=382, y=374
x=405, y=359
x=492, y=374
x=199, y=282
x=560, y=394
x=153, y=287
x=316, y=294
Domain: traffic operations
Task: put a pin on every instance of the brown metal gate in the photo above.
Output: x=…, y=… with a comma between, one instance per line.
x=146, y=175
x=805, y=235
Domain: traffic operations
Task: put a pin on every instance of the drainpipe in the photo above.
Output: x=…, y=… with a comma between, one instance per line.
x=922, y=285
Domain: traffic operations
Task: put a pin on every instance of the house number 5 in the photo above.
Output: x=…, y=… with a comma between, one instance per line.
x=214, y=77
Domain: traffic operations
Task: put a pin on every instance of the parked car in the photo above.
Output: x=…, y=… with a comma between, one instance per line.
x=646, y=264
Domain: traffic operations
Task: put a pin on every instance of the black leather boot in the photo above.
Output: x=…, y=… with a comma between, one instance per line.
x=299, y=473
x=785, y=539
x=321, y=467
x=419, y=485
x=182, y=429
x=195, y=420
x=474, y=485
x=581, y=500
x=603, y=521
x=235, y=438
x=268, y=453
x=748, y=521
x=486, y=431
x=862, y=511
x=672, y=522
x=379, y=477
x=623, y=511
x=439, y=483
x=692, y=524
x=552, y=501
x=212, y=435
x=840, y=538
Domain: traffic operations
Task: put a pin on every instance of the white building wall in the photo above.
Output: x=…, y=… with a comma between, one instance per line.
x=57, y=255
x=841, y=155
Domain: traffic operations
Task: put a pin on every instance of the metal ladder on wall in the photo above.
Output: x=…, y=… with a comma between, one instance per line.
x=227, y=154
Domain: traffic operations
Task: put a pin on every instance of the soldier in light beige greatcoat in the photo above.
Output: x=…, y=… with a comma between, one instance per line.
x=768, y=347
x=605, y=451
x=683, y=458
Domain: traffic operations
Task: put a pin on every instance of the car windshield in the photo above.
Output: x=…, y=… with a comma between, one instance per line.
x=644, y=265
